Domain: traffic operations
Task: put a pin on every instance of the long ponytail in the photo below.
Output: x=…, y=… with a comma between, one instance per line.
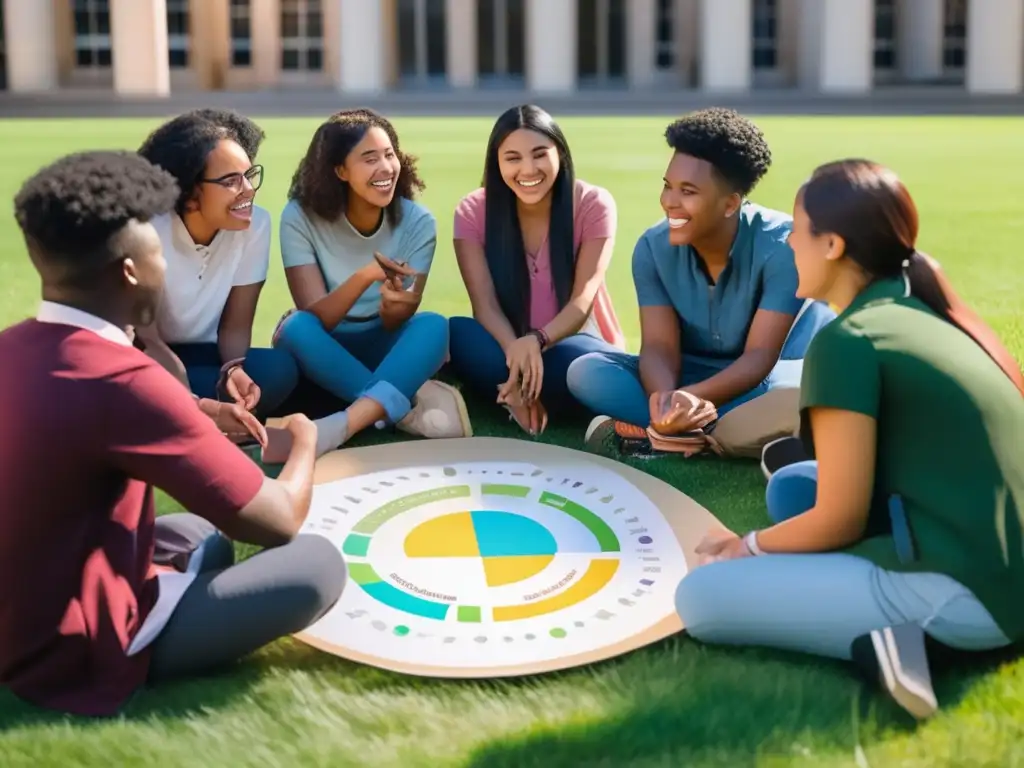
x=871, y=209
x=929, y=283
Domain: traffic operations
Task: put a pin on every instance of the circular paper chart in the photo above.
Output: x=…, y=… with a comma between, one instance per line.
x=487, y=557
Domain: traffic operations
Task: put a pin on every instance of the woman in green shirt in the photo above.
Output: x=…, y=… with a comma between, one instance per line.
x=908, y=520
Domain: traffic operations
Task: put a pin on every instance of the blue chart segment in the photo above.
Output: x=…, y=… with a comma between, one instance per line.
x=503, y=534
x=367, y=578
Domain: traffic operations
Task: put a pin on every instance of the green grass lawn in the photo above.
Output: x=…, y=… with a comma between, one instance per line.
x=673, y=704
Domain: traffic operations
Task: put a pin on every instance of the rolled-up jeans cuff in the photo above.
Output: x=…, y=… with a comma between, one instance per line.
x=394, y=403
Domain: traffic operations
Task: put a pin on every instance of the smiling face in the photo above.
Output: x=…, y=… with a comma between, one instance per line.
x=529, y=164
x=817, y=256
x=696, y=202
x=371, y=168
x=225, y=196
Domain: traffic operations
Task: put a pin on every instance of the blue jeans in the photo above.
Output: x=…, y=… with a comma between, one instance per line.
x=821, y=603
x=479, y=363
x=364, y=359
x=608, y=383
x=273, y=371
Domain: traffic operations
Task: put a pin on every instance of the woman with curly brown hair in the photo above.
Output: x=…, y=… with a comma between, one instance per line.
x=357, y=250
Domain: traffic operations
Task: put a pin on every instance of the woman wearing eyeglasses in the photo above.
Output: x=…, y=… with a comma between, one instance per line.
x=217, y=246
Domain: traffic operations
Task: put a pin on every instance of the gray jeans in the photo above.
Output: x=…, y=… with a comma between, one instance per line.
x=231, y=609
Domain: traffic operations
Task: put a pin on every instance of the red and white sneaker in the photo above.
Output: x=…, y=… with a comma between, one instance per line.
x=608, y=436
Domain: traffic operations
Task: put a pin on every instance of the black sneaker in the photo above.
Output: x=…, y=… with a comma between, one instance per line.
x=781, y=453
x=896, y=656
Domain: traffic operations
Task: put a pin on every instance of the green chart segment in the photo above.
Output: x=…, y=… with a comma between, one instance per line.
x=496, y=541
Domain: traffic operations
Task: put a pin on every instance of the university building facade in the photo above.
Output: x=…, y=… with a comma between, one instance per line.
x=153, y=47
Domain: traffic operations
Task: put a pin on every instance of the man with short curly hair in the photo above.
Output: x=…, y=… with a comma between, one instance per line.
x=716, y=284
x=97, y=596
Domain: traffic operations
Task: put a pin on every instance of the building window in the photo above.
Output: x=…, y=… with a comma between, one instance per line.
x=500, y=43
x=954, y=38
x=92, y=33
x=885, y=35
x=241, y=33
x=766, y=34
x=3, y=52
x=302, y=35
x=422, y=39
x=665, y=36
x=601, y=40
x=177, y=33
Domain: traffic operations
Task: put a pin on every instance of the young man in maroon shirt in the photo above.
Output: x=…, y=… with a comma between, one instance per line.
x=97, y=596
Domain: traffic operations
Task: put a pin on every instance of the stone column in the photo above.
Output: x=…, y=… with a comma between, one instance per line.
x=363, y=48
x=837, y=42
x=460, y=42
x=265, y=18
x=30, y=40
x=64, y=26
x=641, y=42
x=726, y=45
x=551, y=46
x=210, y=22
x=919, y=32
x=788, y=21
x=138, y=31
x=995, y=37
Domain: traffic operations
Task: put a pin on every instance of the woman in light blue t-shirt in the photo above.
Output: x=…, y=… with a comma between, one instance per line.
x=357, y=331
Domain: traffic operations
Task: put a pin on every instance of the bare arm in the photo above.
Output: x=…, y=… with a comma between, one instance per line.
x=309, y=292
x=477, y=278
x=591, y=266
x=234, y=335
x=417, y=254
x=845, y=446
x=157, y=349
x=398, y=305
x=764, y=345
x=660, y=355
x=277, y=512
x=306, y=281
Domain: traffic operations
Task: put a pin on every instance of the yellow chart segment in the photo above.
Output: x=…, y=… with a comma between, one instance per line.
x=446, y=536
x=509, y=570
x=596, y=577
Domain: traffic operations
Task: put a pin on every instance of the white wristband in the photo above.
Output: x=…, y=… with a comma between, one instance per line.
x=751, y=541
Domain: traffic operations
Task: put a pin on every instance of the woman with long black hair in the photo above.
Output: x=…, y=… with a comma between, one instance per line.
x=533, y=245
x=907, y=522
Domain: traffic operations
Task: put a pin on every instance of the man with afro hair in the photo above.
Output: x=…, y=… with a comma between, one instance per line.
x=97, y=595
x=721, y=324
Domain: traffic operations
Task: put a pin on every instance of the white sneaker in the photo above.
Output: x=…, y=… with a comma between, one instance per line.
x=897, y=656
x=438, y=411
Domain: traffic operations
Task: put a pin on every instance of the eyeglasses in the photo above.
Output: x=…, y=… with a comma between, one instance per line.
x=235, y=181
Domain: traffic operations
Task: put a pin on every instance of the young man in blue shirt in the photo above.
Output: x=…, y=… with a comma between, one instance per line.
x=721, y=325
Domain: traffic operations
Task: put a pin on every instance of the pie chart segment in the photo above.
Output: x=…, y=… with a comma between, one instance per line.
x=485, y=533
x=505, y=534
x=449, y=535
x=510, y=569
x=511, y=547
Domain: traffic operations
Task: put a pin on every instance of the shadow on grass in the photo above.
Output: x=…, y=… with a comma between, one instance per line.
x=232, y=686
x=732, y=707
x=676, y=702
